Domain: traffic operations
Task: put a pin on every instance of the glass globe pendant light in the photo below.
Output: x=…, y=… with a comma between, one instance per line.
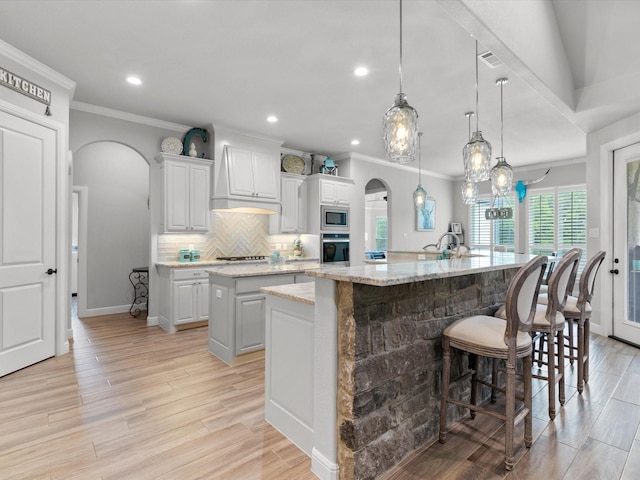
x=420, y=194
x=469, y=189
x=502, y=173
x=401, y=123
x=477, y=152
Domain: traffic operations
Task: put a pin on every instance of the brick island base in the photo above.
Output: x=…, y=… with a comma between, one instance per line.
x=390, y=361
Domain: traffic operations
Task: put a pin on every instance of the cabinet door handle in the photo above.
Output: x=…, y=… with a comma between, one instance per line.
x=51, y=271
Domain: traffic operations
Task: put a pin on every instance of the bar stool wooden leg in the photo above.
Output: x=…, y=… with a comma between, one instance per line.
x=581, y=343
x=570, y=341
x=510, y=399
x=551, y=374
x=587, y=338
x=561, y=392
x=528, y=420
x=473, y=366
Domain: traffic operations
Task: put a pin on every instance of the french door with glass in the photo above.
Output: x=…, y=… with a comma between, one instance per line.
x=626, y=244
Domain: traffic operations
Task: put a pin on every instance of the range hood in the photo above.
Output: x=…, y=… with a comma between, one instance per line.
x=247, y=182
x=235, y=205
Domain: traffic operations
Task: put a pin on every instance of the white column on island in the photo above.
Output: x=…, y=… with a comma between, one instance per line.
x=324, y=457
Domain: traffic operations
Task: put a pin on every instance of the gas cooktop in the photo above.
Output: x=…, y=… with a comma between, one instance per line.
x=240, y=258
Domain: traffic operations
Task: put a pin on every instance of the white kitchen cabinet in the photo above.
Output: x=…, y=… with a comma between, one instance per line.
x=252, y=174
x=250, y=322
x=325, y=189
x=184, y=298
x=237, y=320
x=293, y=193
x=334, y=192
x=185, y=190
x=191, y=301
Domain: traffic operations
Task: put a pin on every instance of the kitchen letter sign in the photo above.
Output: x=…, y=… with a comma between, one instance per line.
x=26, y=87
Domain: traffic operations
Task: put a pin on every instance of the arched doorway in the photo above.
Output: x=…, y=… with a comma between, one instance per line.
x=115, y=180
x=376, y=216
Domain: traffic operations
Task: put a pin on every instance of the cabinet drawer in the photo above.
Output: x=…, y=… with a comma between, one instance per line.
x=253, y=284
x=189, y=274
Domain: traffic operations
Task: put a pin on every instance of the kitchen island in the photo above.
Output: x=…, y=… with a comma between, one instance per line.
x=378, y=360
x=237, y=307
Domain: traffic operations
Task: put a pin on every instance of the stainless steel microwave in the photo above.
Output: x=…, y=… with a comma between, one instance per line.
x=334, y=219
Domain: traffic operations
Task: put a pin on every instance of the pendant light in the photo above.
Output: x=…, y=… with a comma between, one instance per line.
x=502, y=173
x=477, y=152
x=469, y=189
x=420, y=194
x=401, y=123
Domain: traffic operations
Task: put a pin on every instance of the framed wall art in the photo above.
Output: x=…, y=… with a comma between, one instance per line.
x=426, y=216
x=456, y=228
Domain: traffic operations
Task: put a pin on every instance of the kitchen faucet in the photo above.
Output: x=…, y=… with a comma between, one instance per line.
x=438, y=245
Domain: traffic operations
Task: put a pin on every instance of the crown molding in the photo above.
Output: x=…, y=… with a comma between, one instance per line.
x=40, y=68
x=129, y=117
x=540, y=166
x=378, y=161
x=219, y=129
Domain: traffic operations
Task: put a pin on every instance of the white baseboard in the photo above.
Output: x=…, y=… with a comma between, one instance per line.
x=95, y=312
x=152, y=321
x=323, y=468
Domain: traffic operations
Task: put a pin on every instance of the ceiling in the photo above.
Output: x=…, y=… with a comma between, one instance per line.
x=571, y=64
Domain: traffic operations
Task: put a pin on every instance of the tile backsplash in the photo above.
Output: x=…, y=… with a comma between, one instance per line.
x=231, y=234
x=234, y=234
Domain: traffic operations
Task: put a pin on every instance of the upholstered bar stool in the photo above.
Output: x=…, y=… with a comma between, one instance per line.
x=578, y=310
x=491, y=337
x=548, y=325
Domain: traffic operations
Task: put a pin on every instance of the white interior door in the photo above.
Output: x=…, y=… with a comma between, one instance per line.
x=626, y=244
x=27, y=243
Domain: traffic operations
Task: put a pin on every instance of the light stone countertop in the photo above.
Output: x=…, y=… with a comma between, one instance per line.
x=399, y=273
x=298, y=292
x=218, y=263
x=262, y=269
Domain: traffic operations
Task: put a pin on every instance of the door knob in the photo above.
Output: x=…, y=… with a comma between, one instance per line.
x=614, y=271
x=51, y=271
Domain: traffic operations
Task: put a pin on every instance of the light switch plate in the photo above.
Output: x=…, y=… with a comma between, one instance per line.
x=218, y=293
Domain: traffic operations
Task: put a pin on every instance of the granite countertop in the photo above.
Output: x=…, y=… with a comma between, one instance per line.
x=262, y=269
x=298, y=292
x=399, y=273
x=218, y=263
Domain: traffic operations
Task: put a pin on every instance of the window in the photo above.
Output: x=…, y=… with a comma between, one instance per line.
x=558, y=221
x=485, y=234
x=381, y=233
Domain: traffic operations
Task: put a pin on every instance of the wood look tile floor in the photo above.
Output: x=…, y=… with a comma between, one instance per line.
x=134, y=402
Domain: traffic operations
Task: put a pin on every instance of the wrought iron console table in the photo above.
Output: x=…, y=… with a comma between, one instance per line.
x=139, y=278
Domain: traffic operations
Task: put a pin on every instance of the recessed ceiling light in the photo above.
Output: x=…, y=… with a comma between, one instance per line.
x=355, y=142
x=361, y=71
x=134, y=80
x=272, y=119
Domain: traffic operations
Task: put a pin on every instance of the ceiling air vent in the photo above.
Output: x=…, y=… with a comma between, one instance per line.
x=489, y=59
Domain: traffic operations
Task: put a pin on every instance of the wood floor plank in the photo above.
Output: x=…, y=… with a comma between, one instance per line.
x=597, y=460
x=617, y=425
x=550, y=459
x=574, y=422
x=629, y=390
x=134, y=402
x=632, y=467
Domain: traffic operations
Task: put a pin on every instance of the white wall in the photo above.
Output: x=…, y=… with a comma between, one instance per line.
x=145, y=138
x=562, y=174
x=600, y=147
x=117, y=179
x=401, y=183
